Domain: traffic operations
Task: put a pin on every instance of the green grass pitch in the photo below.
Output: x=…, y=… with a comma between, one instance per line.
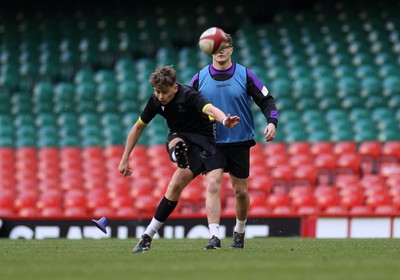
x=264, y=258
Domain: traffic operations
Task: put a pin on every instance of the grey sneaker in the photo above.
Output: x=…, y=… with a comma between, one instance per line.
x=181, y=155
x=238, y=240
x=143, y=244
x=214, y=243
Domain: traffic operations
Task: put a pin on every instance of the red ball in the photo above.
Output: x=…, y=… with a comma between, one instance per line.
x=213, y=40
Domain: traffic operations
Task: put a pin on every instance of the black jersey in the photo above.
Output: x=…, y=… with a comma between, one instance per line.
x=183, y=113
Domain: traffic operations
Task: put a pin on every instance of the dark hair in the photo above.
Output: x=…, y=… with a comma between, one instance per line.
x=230, y=41
x=163, y=77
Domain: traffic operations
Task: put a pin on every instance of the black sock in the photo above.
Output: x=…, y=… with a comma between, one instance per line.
x=164, y=209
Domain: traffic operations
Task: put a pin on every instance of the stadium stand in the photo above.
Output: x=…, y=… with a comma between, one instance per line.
x=73, y=79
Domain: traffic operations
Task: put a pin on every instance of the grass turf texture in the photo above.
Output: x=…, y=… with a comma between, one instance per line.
x=266, y=258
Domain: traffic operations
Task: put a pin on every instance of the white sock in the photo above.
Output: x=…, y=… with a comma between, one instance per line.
x=240, y=226
x=153, y=227
x=214, y=230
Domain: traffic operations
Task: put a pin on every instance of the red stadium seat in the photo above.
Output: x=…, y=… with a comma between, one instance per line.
x=359, y=209
x=52, y=212
x=344, y=147
x=71, y=179
x=348, y=163
x=75, y=211
x=305, y=174
x=376, y=200
x=283, y=210
x=325, y=196
x=386, y=209
x=89, y=153
x=275, y=161
x=7, y=153
x=49, y=199
x=277, y=199
x=393, y=180
x=282, y=175
x=300, y=159
x=48, y=154
x=146, y=205
x=74, y=198
x=336, y=209
x=7, y=160
x=7, y=213
x=371, y=179
x=302, y=199
x=121, y=201
x=388, y=169
x=141, y=186
x=113, y=152
x=390, y=152
x=29, y=212
x=296, y=190
x=275, y=148
x=154, y=151
x=261, y=183
x=7, y=198
x=190, y=197
x=229, y=210
x=396, y=202
x=351, y=199
x=259, y=210
x=70, y=153
x=258, y=168
x=369, y=152
x=325, y=164
x=307, y=210
x=346, y=180
x=318, y=148
x=258, y=199
x=25, y=199
x=25, y=153
x=103, y=211
x=27, y=164
x=127, y=211
x=296, y=148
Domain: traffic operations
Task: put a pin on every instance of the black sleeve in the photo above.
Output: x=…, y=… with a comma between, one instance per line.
x=149, y=111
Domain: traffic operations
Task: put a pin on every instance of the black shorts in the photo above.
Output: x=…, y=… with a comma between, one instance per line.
x=201, y=151
x=235, y=159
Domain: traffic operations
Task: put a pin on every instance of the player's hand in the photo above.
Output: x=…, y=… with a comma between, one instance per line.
x=124, y=169
x=270, y=132
x=231, y=121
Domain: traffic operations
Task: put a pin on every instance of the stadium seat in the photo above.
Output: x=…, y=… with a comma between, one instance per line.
x=277, y=199
x=360, y=210
x=345, y=147
x=335, y=210
x=282, y=175
x=325, y=196
x=348, y=163
x=299, y=148
x=390, y=152
x=386, y=209
x=274, y=148
x=306, y=174
x=321, y=148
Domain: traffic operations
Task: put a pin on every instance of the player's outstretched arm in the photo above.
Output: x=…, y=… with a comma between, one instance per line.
x=131, y=141
x=228, y=121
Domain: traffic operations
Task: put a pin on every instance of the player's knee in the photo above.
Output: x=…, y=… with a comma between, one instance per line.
x=241, y=193
x=171, y=148
x=213, y=186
